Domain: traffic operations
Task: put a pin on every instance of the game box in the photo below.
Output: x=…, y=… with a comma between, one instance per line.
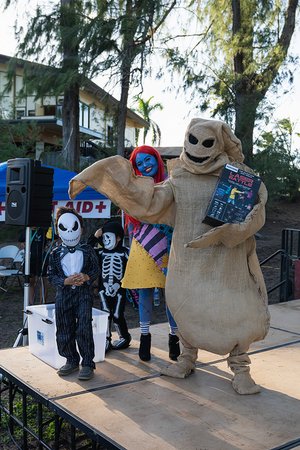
x=233, y=198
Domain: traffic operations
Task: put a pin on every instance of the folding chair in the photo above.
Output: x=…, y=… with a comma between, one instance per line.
x=15, y=271
x=8, y=253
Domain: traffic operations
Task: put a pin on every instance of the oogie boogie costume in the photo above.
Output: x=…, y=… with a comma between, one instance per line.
x=113, y=258
x=215, y=288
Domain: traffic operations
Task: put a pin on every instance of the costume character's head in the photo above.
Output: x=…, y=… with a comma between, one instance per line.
x=209, y=145
x=69, y=226
x=112, y=235
x=147, y=161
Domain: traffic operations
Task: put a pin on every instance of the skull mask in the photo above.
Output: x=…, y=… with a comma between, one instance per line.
x=69, y=229
x=109, y=240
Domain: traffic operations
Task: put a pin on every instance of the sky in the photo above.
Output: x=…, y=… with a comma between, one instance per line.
x=177, y=110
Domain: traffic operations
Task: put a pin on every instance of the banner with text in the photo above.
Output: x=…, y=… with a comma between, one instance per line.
x=88, y=209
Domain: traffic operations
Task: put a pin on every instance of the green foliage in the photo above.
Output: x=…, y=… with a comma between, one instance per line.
x=145, y=109
x=277, y=165
x=17, y=139
x=238, y=56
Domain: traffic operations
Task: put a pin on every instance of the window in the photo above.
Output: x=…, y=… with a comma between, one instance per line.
x=110, y=135
x=19, y=84
x=20, y=113
x=49, y=110
x=84, y=115
x=59, y=111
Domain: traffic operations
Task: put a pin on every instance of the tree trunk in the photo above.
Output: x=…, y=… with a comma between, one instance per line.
x=70, y=117
x=70, y=113
x=245, y=115
x=123, y=107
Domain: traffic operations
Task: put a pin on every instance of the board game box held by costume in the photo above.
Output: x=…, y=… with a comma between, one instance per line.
x=233, y=198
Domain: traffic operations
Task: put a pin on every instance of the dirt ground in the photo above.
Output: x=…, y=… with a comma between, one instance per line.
x=283, y=215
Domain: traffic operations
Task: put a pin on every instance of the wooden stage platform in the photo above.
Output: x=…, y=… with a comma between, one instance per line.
x=129, y=405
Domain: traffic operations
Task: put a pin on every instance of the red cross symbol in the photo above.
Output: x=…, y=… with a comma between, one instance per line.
x=2, y=208
x=101, y=206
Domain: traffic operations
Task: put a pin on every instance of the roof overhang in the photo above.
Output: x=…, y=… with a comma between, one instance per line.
x=53, y=124
x=91, y=87
x=169, y=152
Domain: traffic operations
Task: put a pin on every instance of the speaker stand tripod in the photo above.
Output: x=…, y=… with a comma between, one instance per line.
x=23, y=333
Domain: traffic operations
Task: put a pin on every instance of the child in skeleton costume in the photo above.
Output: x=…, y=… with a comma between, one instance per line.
x=113, y=259
x=215, y=288
x=73, y=267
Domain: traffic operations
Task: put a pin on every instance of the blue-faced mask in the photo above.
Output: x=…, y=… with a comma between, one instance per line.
x=146, y=164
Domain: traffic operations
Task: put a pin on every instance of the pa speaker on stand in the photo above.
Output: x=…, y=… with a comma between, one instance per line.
x=29, y=193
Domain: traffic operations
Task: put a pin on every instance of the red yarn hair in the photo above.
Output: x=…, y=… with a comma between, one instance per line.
x=159, y=176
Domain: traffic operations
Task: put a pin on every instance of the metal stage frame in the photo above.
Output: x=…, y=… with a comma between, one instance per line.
x=65, y=428
x=128, y=405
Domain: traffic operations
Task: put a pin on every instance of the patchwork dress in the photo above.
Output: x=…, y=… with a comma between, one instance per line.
x=148, y=257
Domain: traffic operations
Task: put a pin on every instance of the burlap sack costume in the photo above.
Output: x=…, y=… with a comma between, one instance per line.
x=214, y=288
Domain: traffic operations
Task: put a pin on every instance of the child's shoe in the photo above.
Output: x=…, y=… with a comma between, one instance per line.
x=67, y=369
x=121, y=343
x=86, y=373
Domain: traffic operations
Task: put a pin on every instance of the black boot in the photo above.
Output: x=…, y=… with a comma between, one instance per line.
x=145, y=346
x=121, y=343
x=174, y=349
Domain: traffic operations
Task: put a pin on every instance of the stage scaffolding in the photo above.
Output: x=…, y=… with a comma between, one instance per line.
x=32, y=419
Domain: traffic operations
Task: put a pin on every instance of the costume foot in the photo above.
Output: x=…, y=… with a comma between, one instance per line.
x=67, y=369
x=145, y=346
x=176, y=371
x=121, y=343
x=243, y=384
x=86, y=373
x=174, y=349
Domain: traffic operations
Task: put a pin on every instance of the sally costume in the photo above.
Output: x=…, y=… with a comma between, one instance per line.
x=148, y=260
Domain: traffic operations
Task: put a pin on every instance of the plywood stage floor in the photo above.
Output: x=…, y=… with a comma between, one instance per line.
x=131, y=405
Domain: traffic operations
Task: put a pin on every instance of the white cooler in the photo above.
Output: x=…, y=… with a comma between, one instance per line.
x=42, y=334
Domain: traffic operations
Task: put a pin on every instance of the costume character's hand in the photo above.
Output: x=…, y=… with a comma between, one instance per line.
x=70, y=281
x=98, y=233
x=213, y=237
x=81, y=278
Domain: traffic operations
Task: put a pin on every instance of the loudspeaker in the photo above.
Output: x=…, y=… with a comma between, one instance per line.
x=29, y=193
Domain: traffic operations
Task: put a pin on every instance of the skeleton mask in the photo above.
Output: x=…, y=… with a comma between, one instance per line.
x=109, y=240
x=69, y=229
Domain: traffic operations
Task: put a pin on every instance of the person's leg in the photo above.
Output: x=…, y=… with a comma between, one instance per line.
x=242, y=383
x=174, y=348
x=186, y=362
x=120, y=323
x=145, y=315
x=66, y=330
x=107, y=306
x=84, y=331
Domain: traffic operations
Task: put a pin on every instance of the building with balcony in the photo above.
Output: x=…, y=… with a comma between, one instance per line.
x=98, y=111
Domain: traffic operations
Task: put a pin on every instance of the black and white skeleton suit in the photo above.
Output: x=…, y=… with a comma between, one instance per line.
x=112, y=262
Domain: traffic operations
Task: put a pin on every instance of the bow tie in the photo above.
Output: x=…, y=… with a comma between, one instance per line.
x=65, y=249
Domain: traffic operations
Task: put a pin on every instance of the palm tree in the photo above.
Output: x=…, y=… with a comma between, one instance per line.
x=145, y=109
